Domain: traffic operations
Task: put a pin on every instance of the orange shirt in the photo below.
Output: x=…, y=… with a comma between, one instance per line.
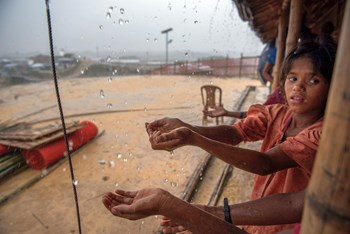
x=269, y=123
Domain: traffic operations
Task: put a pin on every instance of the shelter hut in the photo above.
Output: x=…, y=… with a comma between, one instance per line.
x=327, y=205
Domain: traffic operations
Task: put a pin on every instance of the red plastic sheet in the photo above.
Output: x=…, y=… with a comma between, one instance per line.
x=48, y=154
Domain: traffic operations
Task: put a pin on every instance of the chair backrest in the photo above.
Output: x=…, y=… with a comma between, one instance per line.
x=208, y=93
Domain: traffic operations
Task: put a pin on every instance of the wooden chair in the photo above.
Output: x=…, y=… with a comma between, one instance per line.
x=211, y=97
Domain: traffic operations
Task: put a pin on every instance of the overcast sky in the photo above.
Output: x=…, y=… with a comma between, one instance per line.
x=125, y=25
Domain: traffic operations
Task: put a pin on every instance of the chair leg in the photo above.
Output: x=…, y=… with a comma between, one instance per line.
x=204, y=120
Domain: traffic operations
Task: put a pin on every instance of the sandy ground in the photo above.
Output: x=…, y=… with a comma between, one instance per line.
x=130, y=163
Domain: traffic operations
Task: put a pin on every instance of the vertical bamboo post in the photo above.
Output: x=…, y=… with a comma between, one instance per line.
x=327, y=205
x=280, y=45
x=295, y=18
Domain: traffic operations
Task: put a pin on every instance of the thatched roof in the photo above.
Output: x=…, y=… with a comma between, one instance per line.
x=263, y=15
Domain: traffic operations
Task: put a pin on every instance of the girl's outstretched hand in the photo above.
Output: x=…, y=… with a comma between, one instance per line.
x=163, y=125
x=217, y=112
x=171, y=140
x=169, y=226
x=134, y=205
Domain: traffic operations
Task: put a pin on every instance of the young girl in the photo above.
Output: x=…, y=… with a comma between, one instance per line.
x=290, y=133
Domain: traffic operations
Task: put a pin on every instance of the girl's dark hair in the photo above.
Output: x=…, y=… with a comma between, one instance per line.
x=322, y=56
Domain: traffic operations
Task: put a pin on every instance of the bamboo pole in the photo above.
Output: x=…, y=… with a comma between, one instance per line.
x=295, y=18
x=280, y=45
x=327, y=205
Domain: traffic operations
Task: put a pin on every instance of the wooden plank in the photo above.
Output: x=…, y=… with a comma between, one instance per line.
x=34, y=133
x=38, y=142
x=327, y=206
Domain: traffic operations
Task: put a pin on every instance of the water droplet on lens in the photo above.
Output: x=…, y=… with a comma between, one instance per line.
x=121, y=21
x=110, y=79
x=108, y=15
x=155, y=40
x=171, y=153
x=122, y=11
x=102, y=94
x=101, y=26
x=75, y=182
x=109, y=106
x=102, y=162
x=196, y=21
x=119, y=155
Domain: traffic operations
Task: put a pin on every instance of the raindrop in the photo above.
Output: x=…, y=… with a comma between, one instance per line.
x=84, y=156
x=102, y=162
x=186, y=54
x=130, y=154
x=44, y=172
x=102, y=94
x=64, y=169
x=62, y=52
x=142, y=222
x=121, y=21
x=110, y=9
x=82, y=72
x=109, y=59
x=169, y=7
x=127, y=22
x=119, y=155
x=65, y=154
x=137, y=70
x=155, y=40
x=147, y=40
x=171, y=153
x=101, y=26
x=125, y=160
x=145, y=109
x=196, y=21
x=108, y=15
x=115, y=71
x=112, y=163
x=116, y=184
x=71, y=144
x=75, y=182
x=122, y=11
x=109, y=106
x=110, y=79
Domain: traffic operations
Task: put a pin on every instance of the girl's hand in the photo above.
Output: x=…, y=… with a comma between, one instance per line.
x=171, y=140
x=163, y=125
x=217, y=112
x=169, y=226
x=135, y=205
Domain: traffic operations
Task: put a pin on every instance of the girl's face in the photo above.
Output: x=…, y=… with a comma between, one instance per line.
x=306, y=91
